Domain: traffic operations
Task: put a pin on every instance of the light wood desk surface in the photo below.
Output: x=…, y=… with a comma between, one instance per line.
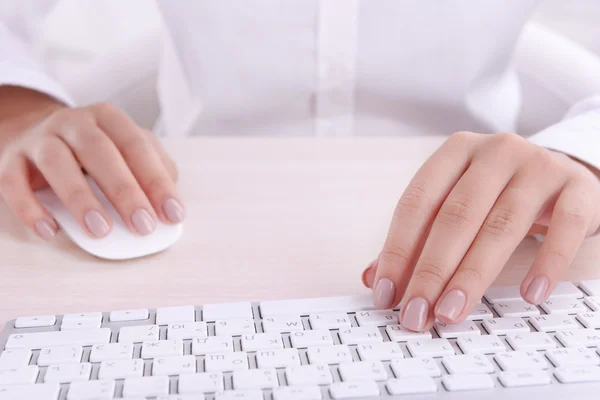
x=267, y=219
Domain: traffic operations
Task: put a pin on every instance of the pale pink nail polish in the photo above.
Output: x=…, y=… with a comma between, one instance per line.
x=415, y=314
x=536, y=292
x=96, y=223
x=45, y=230
x=143, y=222
x=452, y=305
x=173, y=210
x=384, y=293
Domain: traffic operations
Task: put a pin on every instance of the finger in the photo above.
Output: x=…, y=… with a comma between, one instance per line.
x=368, y=274
x=164, y=156
x=143, y=160
x=103, y=161
x=571, y=221
x=503, y=229
x=61, y=170
x=414, y=213
x=20, y=199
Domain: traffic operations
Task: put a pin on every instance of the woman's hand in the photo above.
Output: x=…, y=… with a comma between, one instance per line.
x=464, y=213
x=129, y=165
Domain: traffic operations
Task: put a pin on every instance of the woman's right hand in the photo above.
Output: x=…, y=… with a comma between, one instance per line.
x=127, y=162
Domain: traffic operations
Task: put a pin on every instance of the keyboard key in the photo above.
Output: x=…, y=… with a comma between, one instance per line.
x=578, y=375
x=303, y=339
x=589, y=319
x=430, y=348
x=479, y=312
x=16, y=358
x=86, y=390
x=175, y=315
x=484, y=344
x=177, y=365
x=563, y=306
x=332, y=320
x=146, y=386
x=415, y=367
x=262, y=341
x=18, y=376
x=255, y=379
x=502, y=326
x=60, y=355
x=360, y=335
x=379, y=351
x=593, y=302
x=411, y=386
x=530, y=341
x=84, y=324
x=111, y=351
x=465, y=328
x=83, y=317
x=47, y=391
x=566, y=290
x=524, y=378
x=521, y=360
x=377, y=318
x=516, y=308
x=554, y=322
x=234, y=327
x=591, y=287
x=205, y=382
x=40, y=340
x=307, y=375
x=121, y=369
x=468, y=364
x=129, y=315
x=397, y=333
x=250, y=394
x=188, y=330
x=349, y=390
x=297, y=393
x=362, y=370
x=162, y=348
x=35, y=321
x=66, y=373
x=568, y=358
x=329, y=354
x=222, y=362
x=138, y=333
x=212, y=344
x=280, y=358
x=496, y=294
x=316, y=306
x=579, y=338
x=458, y=383
x=214, y=312
x=283, y=323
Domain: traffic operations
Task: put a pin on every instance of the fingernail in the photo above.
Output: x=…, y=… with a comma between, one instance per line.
x=536, y=292
x=384, y=293
x=173, y=210
x=143, y=222
x=46, y=230
x=415, y=314
x=452, y=305
x=96, y=223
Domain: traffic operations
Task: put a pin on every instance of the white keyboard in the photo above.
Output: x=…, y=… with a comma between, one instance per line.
x=310, y=349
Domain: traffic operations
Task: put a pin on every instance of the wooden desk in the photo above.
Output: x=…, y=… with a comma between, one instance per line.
x=267, y=219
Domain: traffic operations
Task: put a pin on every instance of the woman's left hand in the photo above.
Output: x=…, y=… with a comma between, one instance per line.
x=464, y=213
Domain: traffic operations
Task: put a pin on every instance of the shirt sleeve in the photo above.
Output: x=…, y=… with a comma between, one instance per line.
x=18, y=64
x=577, y=135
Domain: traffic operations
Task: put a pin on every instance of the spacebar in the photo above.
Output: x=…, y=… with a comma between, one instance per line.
x=316, y=305
x=38, y=340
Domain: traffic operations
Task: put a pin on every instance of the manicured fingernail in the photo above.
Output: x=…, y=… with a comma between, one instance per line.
x=452, y=305
x=46, y=230
x=536, y=292
x=173, y=210
x=143, y=222
x=415, y=314
x=96, y=223
x=384, y=293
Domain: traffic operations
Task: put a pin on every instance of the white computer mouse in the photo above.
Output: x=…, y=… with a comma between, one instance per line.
x=120, y=243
